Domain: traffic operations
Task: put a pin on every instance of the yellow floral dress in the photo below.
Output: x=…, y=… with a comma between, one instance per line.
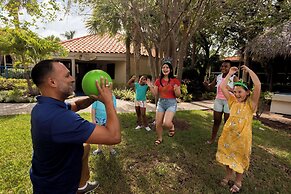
x=234, y=144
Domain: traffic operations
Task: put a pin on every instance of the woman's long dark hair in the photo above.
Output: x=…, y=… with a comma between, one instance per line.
x=171, y=74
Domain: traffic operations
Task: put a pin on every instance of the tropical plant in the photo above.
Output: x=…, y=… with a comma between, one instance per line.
x=11, y=12
x=69, y=34
x=53, y=38
x=26, y=48
x=163, y=26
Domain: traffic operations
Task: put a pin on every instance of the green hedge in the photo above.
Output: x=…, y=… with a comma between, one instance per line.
x=15, y=73
x=15, y=90
x=129, y=94
x=15, y=95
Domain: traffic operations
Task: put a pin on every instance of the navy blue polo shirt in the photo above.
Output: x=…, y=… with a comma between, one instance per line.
x=57, y=135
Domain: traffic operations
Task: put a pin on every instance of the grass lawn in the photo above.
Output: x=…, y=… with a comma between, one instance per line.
x=182, y=164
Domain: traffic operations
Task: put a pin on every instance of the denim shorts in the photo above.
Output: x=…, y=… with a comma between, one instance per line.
x=220, y=105
x=167, y=104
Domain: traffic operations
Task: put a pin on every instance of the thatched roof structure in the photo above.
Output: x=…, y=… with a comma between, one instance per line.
x=274, y=42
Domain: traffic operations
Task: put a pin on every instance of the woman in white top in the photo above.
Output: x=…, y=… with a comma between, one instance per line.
x=220, y=103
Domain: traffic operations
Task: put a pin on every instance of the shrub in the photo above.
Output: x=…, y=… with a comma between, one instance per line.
x=264, y=102
x=125, y=94
x=3, y=95
x=15, y=95
x=150, y=97
x=16, y=90
x=208, y=95
x=184, y=94
x=15, y=73
x=10, y=83
x=120, y=86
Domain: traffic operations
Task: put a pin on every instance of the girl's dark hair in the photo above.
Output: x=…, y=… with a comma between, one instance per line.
x=144, y=75
x=226, y=61
x=171, y=74
x=150, y=77
x=41, y=70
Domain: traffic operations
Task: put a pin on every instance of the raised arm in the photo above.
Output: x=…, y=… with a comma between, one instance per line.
x=257, y=87
x=131, y=81
x=110, y=133
x=209, y=86
x=153, y=89
x=235, y=79
x=223, y=85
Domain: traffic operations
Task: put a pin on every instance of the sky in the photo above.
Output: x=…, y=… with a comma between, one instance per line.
x=56, y=28
x=73, y=21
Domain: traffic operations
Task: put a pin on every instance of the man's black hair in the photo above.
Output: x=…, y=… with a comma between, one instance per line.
x=41, y=70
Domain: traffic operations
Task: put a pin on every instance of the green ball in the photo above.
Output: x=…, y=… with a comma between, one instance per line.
x=89, y=81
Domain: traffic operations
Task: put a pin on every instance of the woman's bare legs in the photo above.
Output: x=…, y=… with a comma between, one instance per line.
x=217, y=117
x=159, y=124
x=168, y=122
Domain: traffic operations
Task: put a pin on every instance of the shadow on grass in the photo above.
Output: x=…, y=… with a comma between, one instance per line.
x=108, y=171
x=184, y=163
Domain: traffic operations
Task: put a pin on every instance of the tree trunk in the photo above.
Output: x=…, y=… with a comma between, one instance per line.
x=127, y=60
x=136, y=55
x=247, y=60
x=29, y=86
x=1, y=59
x=271, y=78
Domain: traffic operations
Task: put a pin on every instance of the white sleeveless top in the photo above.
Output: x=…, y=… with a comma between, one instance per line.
x=219, y=80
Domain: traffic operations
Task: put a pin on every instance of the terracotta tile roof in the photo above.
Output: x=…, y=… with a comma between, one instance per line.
x=96, y=44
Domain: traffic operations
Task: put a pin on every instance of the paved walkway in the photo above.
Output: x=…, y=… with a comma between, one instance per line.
x=127, y=106
x=122, y=106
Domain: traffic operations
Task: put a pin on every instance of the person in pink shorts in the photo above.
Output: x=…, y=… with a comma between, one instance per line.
x=220, y=103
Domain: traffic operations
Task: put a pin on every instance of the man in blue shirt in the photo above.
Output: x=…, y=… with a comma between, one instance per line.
x=60, y=157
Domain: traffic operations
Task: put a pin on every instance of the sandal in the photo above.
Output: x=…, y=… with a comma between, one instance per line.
x=235, y=188
x=171, y=133
x=158, y=142
x=226, y=183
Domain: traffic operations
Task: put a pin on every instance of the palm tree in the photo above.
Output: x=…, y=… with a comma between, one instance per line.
x=53, y=38
x=69, y=34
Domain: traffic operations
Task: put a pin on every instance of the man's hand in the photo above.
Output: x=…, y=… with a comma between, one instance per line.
x=104, y=90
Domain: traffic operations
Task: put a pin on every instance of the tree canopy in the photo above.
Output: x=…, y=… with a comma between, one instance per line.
x=168, y=27
x=11, y=12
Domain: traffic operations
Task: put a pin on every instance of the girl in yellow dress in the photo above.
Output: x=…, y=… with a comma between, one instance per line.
x=234, y=145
